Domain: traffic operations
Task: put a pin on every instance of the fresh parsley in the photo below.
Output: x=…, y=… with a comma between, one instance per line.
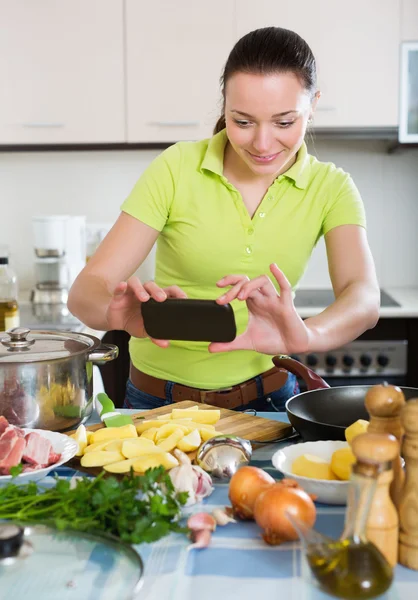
x=16, y=470
x=136, y=509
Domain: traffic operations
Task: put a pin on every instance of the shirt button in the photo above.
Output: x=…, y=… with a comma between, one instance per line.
x=248, y=250
x=261, y=215
x=269, y=197
x=250, y=231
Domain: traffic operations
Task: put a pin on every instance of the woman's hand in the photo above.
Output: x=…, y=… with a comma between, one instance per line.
x=274, y=327
x=124, y=310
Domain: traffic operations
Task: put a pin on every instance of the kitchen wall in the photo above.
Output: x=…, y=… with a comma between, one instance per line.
x=95, y=183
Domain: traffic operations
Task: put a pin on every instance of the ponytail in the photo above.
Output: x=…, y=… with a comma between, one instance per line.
x=220, y=124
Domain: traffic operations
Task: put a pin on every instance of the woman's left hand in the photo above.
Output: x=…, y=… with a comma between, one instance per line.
x=274, y=326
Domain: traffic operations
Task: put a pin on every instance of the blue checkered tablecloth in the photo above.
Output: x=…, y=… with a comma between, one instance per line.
x=238, y=564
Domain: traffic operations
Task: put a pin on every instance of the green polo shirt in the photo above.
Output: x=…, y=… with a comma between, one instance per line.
x=206, y=233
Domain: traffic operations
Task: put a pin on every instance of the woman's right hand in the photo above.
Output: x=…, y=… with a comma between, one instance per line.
x=124, y=310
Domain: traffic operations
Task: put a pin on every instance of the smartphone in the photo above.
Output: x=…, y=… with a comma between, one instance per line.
x=189, y=320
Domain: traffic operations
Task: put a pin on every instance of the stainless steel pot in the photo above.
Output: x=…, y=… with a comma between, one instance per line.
x=46, y=377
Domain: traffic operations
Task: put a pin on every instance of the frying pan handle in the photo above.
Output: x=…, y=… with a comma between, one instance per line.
x=312, y=380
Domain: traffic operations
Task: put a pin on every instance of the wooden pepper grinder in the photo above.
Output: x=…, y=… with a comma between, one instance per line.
x=384, y=404
x=408, y=508
x=382, y=527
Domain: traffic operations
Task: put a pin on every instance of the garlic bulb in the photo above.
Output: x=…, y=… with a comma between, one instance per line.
x=191, y=479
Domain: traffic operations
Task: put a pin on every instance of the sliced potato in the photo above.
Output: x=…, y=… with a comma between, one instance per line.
x=144, y=425
x=99, y=458
x=206, y=433
x=198, y=416
x=190, y=442
x=115, y=445
x=80, y=437
x=149, y=433
x=114, y=433
x=133, y=448
x=122, y=466
x=98, y=446
x=169, y=443
x=156, y=459
x=167, y=429
x=90, y=437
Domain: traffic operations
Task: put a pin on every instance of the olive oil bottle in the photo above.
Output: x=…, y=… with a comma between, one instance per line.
x=9, y=308
x=353, y=567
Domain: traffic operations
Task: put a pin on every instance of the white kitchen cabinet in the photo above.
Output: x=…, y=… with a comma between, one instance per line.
x=356, y=45
x=175, y=54
x=61, y=71
x=409, y=20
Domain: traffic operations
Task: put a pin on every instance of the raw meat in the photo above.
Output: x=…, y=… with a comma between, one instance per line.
x=37, y=449
x=32, y=450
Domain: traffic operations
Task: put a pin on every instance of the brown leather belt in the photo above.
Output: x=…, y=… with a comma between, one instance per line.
x=231, y=397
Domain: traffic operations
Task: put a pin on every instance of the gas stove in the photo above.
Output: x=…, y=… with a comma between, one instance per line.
x=363, y=361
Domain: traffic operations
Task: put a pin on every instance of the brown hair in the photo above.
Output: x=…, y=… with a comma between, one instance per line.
x=267, y=51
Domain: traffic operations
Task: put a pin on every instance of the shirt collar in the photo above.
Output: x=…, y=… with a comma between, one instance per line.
x=299, y=172
x=214, y=161
x=214, y=156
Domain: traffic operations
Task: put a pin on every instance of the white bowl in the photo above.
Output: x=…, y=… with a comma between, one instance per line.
x=327, y=491
x=62, y=444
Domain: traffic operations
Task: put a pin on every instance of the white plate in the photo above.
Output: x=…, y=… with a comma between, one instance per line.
x=329, y=492
x=62, y=444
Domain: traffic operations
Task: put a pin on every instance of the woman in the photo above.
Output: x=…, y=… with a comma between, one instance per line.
x=221, y=211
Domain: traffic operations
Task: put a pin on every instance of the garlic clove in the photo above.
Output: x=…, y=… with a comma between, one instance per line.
x=201, y=538
x=182, y=457
x=201, y=521
x=221, y=517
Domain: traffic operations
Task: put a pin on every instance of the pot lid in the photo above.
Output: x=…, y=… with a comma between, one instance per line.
x=20, y=345
x=48, y=563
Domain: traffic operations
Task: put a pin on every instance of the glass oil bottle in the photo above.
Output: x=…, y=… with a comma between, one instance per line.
x=351, y=567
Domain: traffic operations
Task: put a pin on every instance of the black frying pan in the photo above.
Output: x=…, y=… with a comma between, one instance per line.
x=323, y=412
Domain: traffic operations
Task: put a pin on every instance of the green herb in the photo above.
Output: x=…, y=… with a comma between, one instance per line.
x=16, y=470
x=135, y=508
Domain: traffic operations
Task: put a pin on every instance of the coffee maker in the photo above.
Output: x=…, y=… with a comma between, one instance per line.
x=60, y=255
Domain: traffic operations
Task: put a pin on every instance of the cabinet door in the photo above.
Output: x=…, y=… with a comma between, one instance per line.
x=175, y=55
x=61, y=68
x=409, y=20
x=356, y=45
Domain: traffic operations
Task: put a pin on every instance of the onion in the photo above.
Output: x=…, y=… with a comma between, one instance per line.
x=244, y=487
x=272, y=505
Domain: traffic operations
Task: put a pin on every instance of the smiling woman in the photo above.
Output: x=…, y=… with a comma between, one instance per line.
x=223, y=211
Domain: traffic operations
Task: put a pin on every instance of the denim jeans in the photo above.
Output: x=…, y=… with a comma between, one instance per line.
x=274, y=401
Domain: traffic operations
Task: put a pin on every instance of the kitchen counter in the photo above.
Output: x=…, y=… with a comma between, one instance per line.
x=406, y=297
x=238, y=563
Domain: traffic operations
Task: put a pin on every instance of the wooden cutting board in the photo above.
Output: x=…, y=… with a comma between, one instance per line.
x=255, y=429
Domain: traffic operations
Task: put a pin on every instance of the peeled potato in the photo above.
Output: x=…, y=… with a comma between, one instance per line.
x=312, y=466
x=358, y=427
x=169, y=443
x=199, y=416
x=99, y=458
x=190, y=442
x=342, y=461
x=156, y=459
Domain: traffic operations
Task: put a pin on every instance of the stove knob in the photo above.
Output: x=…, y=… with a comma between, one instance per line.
x=383, y=360
x=331, y=360
x=312, y=360
x=348, y=360
x=366, y=360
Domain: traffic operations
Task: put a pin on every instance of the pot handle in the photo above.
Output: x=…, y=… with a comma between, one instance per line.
x=103, y=354
x=312, y=380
